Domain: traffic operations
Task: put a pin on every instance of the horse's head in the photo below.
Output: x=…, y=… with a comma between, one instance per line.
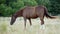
x=13, y=18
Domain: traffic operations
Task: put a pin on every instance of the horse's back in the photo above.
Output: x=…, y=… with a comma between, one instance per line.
x=29, y=12
x=40, y=10
x=33, y=12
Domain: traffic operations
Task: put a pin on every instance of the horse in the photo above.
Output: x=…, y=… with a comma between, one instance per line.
x=30, y=12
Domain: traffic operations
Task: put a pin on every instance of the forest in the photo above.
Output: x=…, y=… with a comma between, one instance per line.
x=9, y=7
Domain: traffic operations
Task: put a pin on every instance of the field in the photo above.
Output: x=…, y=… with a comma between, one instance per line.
x=52, y=26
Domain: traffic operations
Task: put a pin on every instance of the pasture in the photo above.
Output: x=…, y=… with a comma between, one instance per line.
x=52, y=26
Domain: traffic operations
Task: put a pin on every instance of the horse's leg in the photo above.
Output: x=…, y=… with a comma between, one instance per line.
x=25, y=22
x=42, y=22
x=30, y=21
x=42, y=19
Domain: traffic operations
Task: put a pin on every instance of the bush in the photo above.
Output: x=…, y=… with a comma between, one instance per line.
x=54, y=7
x=4, y=10
x=9, y=7
x=43, y=2
x=30, y=2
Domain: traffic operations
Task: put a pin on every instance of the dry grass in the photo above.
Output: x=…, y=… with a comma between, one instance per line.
x=52, y=26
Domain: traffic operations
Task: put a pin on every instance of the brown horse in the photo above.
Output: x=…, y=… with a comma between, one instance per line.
x=31, y=12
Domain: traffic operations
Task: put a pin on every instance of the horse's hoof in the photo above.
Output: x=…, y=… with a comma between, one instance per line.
x=42, y=27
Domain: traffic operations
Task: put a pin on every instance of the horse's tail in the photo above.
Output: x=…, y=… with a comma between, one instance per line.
x=47, y=15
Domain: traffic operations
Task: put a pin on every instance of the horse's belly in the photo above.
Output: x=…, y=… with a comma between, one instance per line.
x=32, y=16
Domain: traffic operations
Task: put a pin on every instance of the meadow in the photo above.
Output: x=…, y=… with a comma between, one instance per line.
x=52, y=26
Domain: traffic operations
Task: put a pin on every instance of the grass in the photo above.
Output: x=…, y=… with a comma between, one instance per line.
x=3, y=28
x=52, y=26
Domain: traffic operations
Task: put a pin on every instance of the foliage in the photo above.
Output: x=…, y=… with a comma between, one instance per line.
x=54, y=7
x=43, y=2
x=9, y=7
x=30, y=2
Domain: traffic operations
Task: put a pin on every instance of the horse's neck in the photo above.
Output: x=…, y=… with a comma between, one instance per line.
x=18, y=13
